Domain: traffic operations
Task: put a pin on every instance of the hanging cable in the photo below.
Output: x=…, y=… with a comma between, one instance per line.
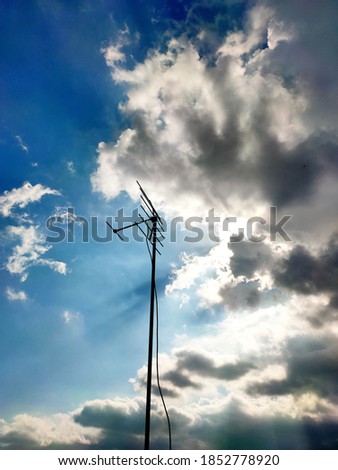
x=157, y=349
x=158, y=373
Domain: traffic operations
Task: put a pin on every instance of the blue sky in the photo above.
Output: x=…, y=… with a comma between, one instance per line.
x=227, y=105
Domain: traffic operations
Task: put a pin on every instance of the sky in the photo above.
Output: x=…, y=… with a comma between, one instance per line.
x=226, y=112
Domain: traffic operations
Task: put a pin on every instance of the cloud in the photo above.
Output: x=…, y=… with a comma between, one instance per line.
x=21, y=144
x=204, y=366
x=70, y=317
x=232, y=428
x=311, y=367
x=121, y=421
x=70, y=167
x=179, y=380
x=119, y=424
x=310, y=55
x=98, y=424
x=202, y=274
x=308, y=273
x=323, y=317
x=16, y=295
x=23, y=196
x=48, y=432
x=232, y=125
x=249, y=258
x=113, y=54
x=241, y=296
x=258, y=359
x=236, y=276
x=29, y=252
x=189, y=370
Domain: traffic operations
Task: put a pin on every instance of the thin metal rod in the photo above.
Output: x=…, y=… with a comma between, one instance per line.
x=145, y=222
x=160, y=224
x=159, y=241
x=146, y=213
x=114, y=231
x=150, y=209
x=151, y=333
x=149, y=203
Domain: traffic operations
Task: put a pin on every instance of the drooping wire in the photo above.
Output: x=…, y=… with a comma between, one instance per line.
x=157, y=348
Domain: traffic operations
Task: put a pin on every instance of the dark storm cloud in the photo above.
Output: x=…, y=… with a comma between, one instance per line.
x=191, y=368
x=197, y=365
x=107, y=416
x=232, y=371
x=288, y=175
x=122, y=426
x=299, y=272
x=242, y=295
x=334, y=302
x=179, y=380
x=311, y=56
x=306, y=273
x=324, y=316
x=173, y=377
x=227, y=428
x=203, y=366
x=312, y=365
x=17, y=440
x=250, y=260
x=249, y=257
x=231, y=428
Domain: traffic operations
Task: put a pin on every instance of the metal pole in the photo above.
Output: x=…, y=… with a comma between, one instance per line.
x=151, y=329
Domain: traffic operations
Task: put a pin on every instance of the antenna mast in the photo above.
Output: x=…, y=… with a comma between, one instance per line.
x=154, y=228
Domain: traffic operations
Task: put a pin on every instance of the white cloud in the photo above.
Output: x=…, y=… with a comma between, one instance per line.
x=113, y=54
x=59, y=430
x=252, y=129
x=16, y=295
x=57, y=266
x=70, y=167
x=279, y=31
x=209, y=423
x=235, y=276
x=21, y=143
x=23, y=196
x=70, y=317
x=239, y=43
x=29, y=252
x=222, y=128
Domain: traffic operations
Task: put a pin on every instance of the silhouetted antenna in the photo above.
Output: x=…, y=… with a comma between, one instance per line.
x=154, y=229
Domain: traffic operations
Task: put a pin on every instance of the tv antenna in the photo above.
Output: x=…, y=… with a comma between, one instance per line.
x=151, y=226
